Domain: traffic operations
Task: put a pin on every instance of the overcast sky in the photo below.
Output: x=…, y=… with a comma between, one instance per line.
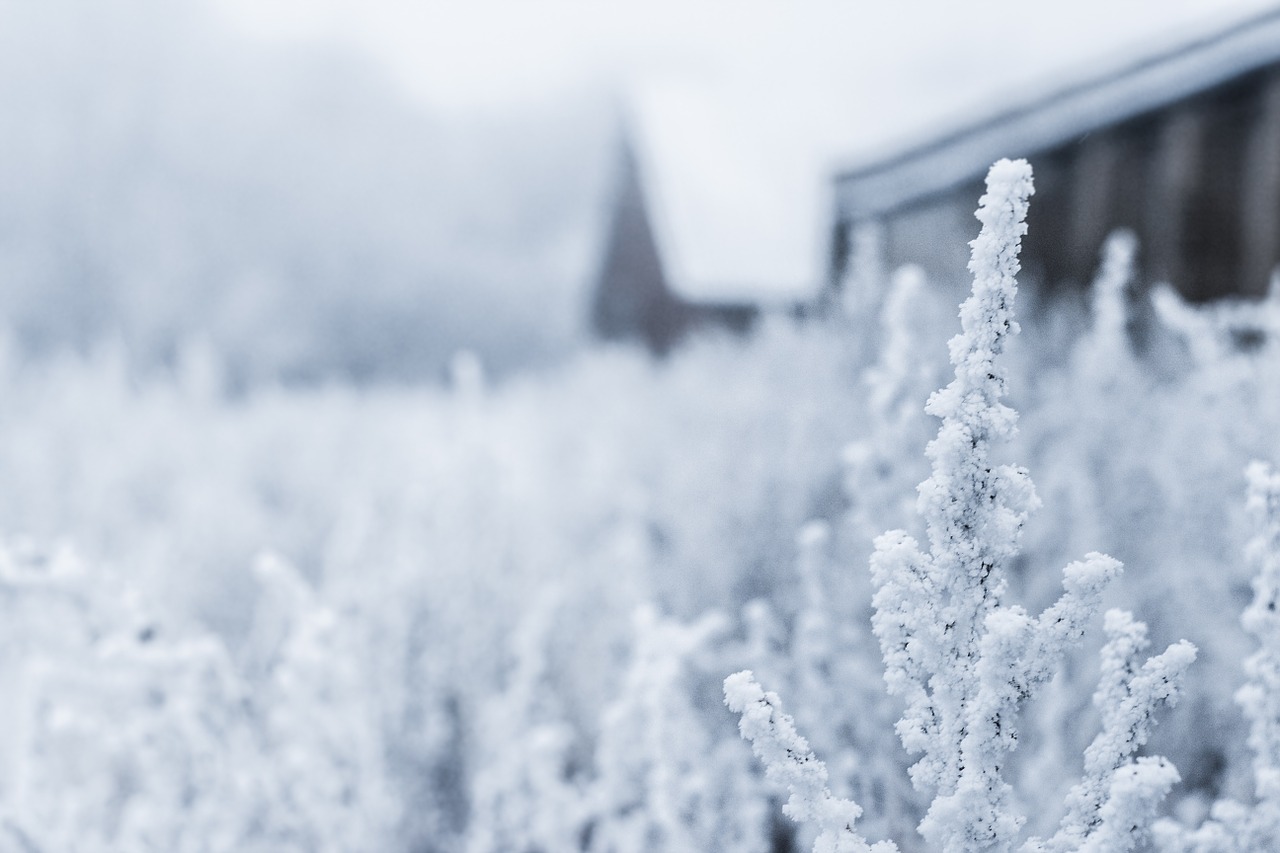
x=483, y=54
x=745, y=107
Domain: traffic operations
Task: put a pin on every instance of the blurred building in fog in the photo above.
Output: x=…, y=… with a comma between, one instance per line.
x=1180, y=144
x=1182, y=147
x=633, y=299
x=716, y=214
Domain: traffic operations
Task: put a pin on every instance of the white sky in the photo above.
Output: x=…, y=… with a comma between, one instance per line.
x=498, y=53
x=748, y=105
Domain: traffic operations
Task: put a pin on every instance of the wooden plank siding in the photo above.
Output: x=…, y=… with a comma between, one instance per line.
x=1193, y=172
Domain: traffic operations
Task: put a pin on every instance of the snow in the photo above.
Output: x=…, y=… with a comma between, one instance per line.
x=716, y=187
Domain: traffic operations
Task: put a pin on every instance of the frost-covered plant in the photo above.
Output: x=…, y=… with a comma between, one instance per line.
x=882, y=464
x=422, y=520
x=524, y=797
x=791, y=764
x=765, y=646
x=662, y=783
x=126, y=732
x=831, y=644
x=1164, y=476
x=317, y=721
x=1235, y=827
x=902, y=371
x=119, y=735
x=863, y=286
x=1117, y=799
x=1220, y=331
x=1106, y=349
x=1094, y=404
x=1260, y=697
x=1088, y=428
x=962, y=659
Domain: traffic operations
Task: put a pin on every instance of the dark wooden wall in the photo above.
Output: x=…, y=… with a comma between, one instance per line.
x=1197, y=181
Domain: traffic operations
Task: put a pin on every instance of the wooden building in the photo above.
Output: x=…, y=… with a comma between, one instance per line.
x=1182, y=147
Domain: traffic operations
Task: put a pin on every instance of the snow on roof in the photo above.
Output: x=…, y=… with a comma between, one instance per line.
x=736, y=206
x=1129, y=89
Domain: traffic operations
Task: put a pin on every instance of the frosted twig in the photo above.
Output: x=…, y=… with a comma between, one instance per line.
x=791, y=764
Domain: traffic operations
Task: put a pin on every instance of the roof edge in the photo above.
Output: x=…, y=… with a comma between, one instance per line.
x=944, y=161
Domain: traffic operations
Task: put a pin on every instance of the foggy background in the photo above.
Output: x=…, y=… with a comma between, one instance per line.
x=360, y=190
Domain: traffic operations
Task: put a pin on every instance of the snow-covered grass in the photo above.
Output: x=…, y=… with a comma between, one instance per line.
x=425, y=522
x=497, y=617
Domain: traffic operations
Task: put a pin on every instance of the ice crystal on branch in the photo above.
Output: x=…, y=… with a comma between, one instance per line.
x=791, y=764
x=661, y=782
x=1117, y=798
x=961, y=659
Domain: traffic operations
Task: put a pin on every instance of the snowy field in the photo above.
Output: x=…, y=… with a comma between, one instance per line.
x=496, y=617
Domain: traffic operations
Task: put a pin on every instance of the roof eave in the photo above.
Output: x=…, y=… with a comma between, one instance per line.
x=963, y=155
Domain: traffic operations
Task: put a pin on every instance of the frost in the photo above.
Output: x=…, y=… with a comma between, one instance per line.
x=791, y=765
x=962, y=659
x=1234, y=827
